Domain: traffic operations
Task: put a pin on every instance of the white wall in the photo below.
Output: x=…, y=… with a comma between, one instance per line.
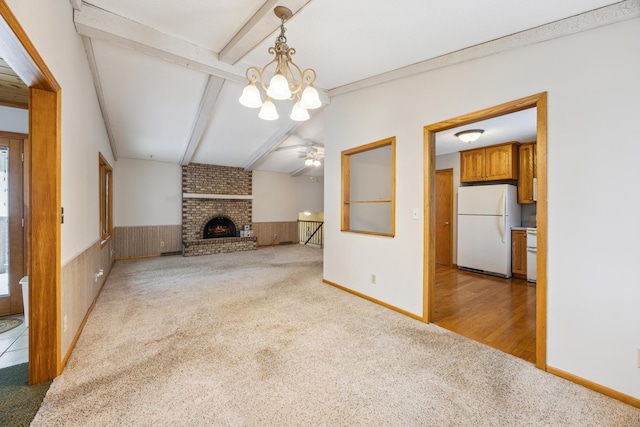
x=146, y=193
x=49, y=25
x=14, y=120
x=593, y=292
x=452, y=161
x=279, y=197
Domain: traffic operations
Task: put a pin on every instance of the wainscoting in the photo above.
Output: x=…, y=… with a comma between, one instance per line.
x=144, y=241
x=285, y=231
x=80, y=287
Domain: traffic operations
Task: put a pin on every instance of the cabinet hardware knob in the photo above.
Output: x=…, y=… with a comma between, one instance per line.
x=446, y=223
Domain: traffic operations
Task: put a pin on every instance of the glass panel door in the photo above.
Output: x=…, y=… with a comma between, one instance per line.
x=12, y=267
x=4, y=221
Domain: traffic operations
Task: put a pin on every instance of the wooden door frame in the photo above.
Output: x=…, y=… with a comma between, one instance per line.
x=450, y=210
x=540, y=102
x=44, y=201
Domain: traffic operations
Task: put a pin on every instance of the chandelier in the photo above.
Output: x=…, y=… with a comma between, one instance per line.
x=286, y=83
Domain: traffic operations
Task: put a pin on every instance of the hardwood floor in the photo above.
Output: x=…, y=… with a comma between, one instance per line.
x=500, y=313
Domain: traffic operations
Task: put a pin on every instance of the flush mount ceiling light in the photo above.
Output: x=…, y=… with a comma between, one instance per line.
x=469, y=135
x=286, y=83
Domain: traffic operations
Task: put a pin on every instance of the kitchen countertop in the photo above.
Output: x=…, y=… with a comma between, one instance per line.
x=519, y=228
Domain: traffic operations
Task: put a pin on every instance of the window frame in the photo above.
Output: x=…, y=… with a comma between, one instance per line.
x=105, y=192
x=345, y=215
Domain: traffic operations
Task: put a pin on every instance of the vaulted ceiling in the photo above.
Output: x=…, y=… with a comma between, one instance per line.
x=169, y=74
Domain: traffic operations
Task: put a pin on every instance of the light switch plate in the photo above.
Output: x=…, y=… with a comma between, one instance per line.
x=416, y=213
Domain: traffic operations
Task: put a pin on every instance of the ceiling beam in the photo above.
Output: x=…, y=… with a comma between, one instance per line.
x=301, y=170
x=263, y=23
x=205, y=114
x=101, y=24
x=271, y=145
x=76, y=4
x=88, y=47
x=97, y=23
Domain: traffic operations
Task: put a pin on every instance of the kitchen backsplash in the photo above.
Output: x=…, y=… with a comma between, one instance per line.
x=528, y=215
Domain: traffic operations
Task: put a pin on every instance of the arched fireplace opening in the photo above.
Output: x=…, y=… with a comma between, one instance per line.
x=220, y=226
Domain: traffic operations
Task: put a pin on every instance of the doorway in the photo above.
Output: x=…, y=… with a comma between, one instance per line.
x=430, y=228
x=44, y=197
x=12, y=265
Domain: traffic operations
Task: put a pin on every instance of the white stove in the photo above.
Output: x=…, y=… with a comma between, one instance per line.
x=532, y=249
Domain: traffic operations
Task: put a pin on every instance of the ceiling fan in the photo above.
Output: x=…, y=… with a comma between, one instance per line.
x=311, y=152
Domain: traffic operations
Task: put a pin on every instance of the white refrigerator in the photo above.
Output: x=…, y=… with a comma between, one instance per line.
x=486, y=214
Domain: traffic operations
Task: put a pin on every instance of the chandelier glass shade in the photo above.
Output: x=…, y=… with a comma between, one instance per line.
x=286, y=83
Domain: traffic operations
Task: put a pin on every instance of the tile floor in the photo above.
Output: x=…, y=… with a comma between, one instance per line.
x=14, y=345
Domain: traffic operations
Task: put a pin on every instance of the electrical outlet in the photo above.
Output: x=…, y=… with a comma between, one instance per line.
x=64, y=323
x=161, y=244
x=373, y=278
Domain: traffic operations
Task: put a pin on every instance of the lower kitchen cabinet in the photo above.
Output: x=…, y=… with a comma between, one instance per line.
x=519, y=253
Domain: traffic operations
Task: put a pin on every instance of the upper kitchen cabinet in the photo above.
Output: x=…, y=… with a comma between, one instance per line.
x=527, y=173
x=493, y=163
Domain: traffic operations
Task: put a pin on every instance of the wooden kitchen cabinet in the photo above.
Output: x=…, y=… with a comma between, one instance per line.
x=527, y=171
x=493, y=163
x=519, y=253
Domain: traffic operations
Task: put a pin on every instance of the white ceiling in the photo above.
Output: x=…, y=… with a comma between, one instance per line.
x=169, y=88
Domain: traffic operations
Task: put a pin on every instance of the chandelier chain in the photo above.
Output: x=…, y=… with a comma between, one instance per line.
x=282, y=38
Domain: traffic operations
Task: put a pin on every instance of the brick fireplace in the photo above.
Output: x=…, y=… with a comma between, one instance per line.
x=216, y=206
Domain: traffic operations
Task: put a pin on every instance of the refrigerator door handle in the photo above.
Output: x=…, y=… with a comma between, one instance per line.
x=504, y=216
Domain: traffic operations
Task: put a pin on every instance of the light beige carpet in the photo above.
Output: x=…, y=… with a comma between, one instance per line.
x=256, y=339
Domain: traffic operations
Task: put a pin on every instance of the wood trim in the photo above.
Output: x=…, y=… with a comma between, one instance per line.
x=542, y=227
x=370, y=146
x=105, y=167
x=45, y=216
x=86, y=317
x=14, y=104
x=369, y=201
x=345, y=185
x=393, y=186
x=540, y=102
x=429, y=215
x=625, y=398
x=371, y=233
x=4, y=134
x=21, y=55
x=376, y=301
